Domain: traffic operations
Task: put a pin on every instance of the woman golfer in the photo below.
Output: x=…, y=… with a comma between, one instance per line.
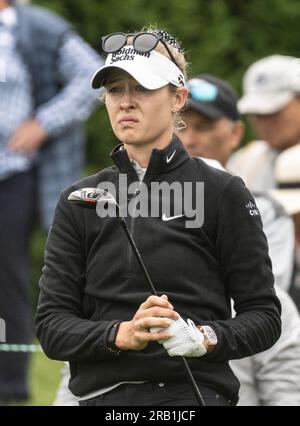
x=198, y=232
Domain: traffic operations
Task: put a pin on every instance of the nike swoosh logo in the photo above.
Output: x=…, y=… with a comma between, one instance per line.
x=170, y=158
x=166, y=219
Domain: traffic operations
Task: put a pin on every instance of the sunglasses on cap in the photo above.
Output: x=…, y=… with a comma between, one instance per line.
x=202, y=91
x=142, y=42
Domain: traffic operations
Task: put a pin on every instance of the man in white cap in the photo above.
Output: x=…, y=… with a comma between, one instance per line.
x=271, y=98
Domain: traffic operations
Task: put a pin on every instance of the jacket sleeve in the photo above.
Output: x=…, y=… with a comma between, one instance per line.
x=62, y=330
x=77, y=62
x=280, y=233
x=246, y=271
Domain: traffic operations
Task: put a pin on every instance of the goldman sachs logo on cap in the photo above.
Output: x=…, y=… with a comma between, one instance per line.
x=127, y=54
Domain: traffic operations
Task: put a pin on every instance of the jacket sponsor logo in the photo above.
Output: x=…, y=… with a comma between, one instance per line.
x=166, y=219
x=171, y=157
x=252, y=209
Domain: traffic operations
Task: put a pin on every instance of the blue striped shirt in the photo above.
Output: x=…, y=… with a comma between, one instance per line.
x=16, y=103
x=72, y=104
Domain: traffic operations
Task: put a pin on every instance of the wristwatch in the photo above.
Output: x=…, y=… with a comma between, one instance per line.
x=210, y=337
x=111, y=339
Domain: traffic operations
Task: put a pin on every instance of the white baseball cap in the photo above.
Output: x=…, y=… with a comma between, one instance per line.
x=287, y=177
x=151, y=69
x=270, y=84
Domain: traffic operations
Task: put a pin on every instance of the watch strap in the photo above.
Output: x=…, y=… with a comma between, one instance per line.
x=111, y=338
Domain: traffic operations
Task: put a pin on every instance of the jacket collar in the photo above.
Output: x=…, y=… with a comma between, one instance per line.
x=161, y=160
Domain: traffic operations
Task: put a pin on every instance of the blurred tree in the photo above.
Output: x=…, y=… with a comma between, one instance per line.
x=221, y=36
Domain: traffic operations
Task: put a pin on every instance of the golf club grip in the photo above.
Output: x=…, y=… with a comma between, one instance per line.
x=189, y=374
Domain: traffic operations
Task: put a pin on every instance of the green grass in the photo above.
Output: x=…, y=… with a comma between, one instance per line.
x=44, y=380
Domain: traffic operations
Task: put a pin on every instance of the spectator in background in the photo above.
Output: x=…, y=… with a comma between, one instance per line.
x=271, y=98
x=277, y=370
x=44, y=99
x=213, y=131
x=213, y=126
x=272, y=377
x=271, y=89
x=287, y=179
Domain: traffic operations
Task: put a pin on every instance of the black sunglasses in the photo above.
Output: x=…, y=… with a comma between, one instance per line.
x=142, y=42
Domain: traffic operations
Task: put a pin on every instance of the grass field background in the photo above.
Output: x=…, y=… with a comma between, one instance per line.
x=44, y=380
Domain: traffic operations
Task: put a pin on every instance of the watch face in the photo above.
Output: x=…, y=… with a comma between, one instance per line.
x=211, y=335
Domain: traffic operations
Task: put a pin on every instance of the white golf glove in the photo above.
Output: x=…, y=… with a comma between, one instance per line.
x=186, y=339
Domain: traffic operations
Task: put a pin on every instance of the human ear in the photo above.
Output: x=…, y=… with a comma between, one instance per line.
x=180, y=98
x=238, y=134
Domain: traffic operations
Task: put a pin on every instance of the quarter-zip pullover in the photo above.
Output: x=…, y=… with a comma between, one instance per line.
x=90, y=279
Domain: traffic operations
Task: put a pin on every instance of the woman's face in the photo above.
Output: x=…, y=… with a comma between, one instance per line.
x=139, y=116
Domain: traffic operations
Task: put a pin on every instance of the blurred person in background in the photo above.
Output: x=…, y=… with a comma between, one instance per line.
x=287, y=192
x=271, y=98
x=44, y=99
x=271, y=89
x=213, y=130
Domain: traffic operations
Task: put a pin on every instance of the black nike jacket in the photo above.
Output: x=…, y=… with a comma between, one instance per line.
x=91, y=278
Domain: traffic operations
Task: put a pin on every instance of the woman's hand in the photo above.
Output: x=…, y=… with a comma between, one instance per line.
x=154, y=312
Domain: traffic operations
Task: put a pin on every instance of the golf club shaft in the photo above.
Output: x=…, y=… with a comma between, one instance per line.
x=138, y=256
x=189, y=374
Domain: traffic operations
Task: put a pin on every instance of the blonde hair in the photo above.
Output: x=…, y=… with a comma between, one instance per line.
x=183, y=65
x=179, y=55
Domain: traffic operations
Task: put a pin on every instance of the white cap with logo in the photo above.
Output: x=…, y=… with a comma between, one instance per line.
x=151, y=69
x=270, y=84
